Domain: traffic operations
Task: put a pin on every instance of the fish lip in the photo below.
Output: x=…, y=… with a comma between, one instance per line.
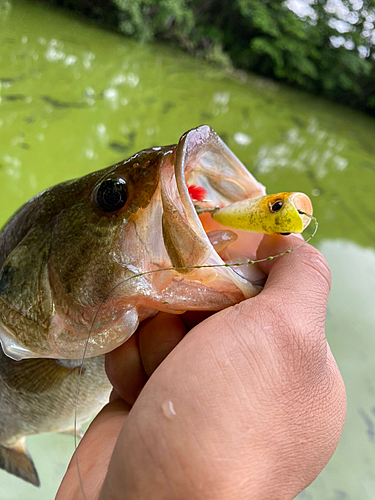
x=197, y=150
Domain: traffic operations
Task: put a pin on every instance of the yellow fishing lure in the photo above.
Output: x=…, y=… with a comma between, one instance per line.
x=281, y=213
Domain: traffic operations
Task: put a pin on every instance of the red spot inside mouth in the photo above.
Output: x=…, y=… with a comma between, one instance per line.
x=197, y=193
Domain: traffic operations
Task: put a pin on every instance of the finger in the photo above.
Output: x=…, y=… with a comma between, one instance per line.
x=296, y=267
x=298, y=283
x=93, y=454
x=114, y=396
x=125, y=370
x=192, y=318
x=157, y=337
x=272, y=245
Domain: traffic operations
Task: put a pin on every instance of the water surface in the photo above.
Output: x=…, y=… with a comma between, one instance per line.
x=75, y=98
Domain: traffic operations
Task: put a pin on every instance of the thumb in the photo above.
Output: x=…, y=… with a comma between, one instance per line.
x=300, y=280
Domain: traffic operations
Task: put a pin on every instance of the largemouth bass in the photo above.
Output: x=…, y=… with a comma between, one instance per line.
x=79, y=264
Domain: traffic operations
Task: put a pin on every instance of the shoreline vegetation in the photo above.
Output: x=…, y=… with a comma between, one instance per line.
x=322, y=46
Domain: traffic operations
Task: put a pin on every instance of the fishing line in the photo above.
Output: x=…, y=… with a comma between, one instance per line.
x=249, y=262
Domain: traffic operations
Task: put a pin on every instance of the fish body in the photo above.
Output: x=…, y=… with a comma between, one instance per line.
x=82, y=263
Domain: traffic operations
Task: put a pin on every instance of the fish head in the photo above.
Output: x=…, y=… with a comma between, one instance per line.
x=85, y=261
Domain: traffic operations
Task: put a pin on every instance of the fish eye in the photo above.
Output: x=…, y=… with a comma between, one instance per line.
x=276, y=206
x=111, y=194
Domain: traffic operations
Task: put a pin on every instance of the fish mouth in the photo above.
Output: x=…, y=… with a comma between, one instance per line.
x=203, y=167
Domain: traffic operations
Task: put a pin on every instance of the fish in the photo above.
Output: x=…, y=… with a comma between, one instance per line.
x=85, y=261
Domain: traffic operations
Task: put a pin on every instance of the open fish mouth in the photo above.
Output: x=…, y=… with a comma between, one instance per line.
x=102, y=253
x=203, y=174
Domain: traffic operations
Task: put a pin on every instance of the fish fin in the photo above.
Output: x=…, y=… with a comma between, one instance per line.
x=35, y=376
x=18, y=462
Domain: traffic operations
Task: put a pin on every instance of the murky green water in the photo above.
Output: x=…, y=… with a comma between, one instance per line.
x=74, y=99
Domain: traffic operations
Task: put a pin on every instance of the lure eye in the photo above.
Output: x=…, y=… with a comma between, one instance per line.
x=276, y=206
x=111, y=195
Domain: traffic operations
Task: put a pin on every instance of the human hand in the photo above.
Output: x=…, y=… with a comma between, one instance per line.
x=249, y=404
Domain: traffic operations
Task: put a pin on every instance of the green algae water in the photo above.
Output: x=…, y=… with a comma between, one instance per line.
x=75, y=98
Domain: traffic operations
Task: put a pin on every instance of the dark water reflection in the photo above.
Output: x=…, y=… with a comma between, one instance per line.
x=74, y=99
